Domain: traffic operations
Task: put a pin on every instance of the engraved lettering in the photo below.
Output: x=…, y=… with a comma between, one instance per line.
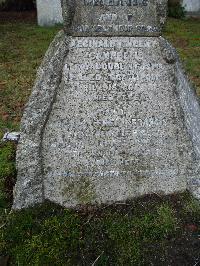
x=116, y=2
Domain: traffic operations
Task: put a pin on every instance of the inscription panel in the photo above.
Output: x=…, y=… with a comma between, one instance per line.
x=116, y=117
x=118, y=17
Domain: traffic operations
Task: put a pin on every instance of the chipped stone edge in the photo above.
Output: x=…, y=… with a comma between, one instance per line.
x=190, y=105
x=29, y=189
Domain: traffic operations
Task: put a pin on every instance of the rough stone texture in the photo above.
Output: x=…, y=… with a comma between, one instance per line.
x=116, y=129
x=49, y=12
x=110, y=118
x=191, y=109
x=29, y=188
x=115, y=17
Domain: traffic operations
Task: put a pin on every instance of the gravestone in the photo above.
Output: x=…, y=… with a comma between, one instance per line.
x=191, y=5
x=112, y=115
x=49, y=12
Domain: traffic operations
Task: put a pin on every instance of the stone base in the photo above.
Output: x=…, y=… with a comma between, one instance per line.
x=112, y=123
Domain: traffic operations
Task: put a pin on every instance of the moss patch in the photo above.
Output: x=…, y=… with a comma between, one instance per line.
x=81, y=190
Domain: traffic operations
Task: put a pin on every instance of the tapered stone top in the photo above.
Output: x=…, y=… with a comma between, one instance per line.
x=114, y=17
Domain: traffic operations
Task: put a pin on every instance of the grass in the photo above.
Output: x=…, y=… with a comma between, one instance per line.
x=135, y=233
x=148, y=231
x=185, y=36
x=7, y=173
x=22, y=47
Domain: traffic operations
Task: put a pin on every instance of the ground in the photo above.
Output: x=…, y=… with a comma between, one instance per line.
x=147, y=231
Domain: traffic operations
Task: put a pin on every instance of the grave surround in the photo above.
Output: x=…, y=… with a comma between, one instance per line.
x=112, y=115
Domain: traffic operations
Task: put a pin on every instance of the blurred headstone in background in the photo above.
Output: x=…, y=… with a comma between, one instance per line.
x=191, y=5
x=49, y=12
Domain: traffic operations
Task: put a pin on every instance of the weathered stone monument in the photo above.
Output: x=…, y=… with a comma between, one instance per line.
x=112, y=115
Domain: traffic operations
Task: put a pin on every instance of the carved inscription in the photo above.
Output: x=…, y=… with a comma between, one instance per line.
x=116, y=2
x=114, y=101
x=116, y=17
x=115, y=126
x=94, y=43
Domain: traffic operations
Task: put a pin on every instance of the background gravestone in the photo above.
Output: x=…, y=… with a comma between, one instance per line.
x=112, y=115
x=191, y=5
x=49, y=12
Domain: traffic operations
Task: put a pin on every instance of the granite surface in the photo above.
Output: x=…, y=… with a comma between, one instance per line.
x=116, y=129
x=111, y=117
x=29, y=188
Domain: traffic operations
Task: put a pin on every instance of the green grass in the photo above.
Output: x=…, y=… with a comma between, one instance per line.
x=185, y=36
x=7, y=173
x=131, y=234
x=22, y=47
x=141, y=232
